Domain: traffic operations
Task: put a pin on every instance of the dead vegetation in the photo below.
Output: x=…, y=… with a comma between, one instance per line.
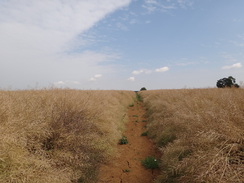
x=55, y=136
x=200, y=133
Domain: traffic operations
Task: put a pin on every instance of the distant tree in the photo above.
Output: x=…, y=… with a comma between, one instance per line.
x=221, y=83
x=227, y=82
x=143, y=88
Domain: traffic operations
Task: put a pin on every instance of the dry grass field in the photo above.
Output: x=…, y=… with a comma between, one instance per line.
x=62, y=135
x=200, y=133
x=59, y=136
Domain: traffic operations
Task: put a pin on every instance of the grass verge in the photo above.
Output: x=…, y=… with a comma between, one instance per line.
x=200, y=133
x=56, y=135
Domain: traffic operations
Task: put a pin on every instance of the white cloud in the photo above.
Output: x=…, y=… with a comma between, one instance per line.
x=141, y=71
x=151, y=1
x=185, y=3
x=162, y=69
x=150, y=5
x=136, y=72
x=66, y=83
x=43, y=37
x=73, y=16
x=155, y=5
x=131, y=78
x=95, y=77
x=234, y=66
x=147, y=71
x=59, y=83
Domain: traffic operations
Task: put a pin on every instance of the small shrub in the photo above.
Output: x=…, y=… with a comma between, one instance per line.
x=131, y=105
x=123, y=140
x=144, y=134
x=150, y=162
x=139, y=97
x=126, y=170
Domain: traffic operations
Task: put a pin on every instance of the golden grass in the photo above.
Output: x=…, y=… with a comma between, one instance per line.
x=54, y=136
x=200, y=133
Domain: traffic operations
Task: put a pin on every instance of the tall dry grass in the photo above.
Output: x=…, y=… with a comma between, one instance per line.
x=58, y=136
x=200, y=133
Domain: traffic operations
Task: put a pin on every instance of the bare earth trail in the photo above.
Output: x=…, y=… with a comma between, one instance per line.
x=126, y=166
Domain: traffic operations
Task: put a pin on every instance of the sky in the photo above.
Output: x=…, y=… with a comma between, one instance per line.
x=120, y=44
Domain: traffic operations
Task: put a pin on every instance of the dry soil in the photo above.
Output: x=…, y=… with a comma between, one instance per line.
x=126, y=166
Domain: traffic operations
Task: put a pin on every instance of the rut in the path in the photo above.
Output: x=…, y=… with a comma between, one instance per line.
x=126, y=166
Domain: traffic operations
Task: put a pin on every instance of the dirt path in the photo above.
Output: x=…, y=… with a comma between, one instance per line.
x=126, y=167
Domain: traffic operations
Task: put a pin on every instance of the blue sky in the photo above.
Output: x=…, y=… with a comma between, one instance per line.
x=120, y=44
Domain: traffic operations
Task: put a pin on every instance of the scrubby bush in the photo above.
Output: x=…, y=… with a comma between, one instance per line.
x=227, y=82
x=150, y=162
x=138, y=97
x=123, y=140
